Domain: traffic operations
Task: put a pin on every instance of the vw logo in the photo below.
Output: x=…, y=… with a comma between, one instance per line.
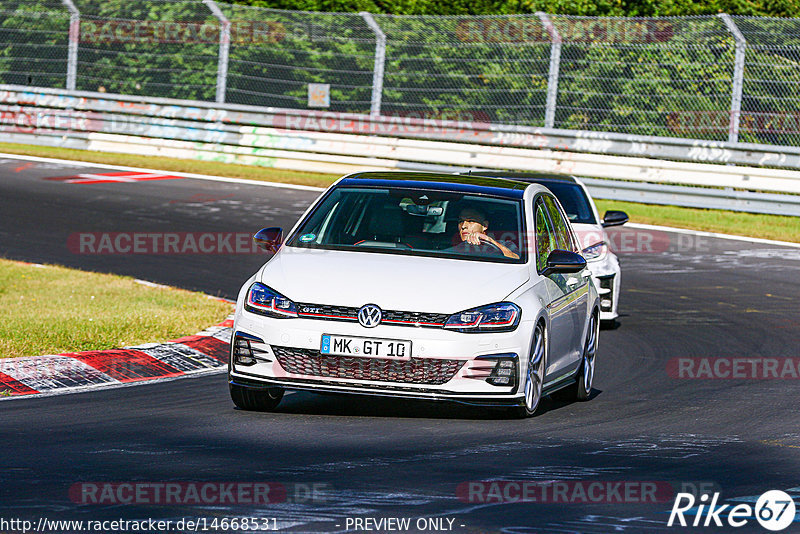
x=369, y=316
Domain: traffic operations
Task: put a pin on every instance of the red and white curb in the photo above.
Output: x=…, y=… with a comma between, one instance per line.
x=203, y=353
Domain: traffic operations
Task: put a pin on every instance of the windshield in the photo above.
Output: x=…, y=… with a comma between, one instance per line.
x=416, y=222
x=574, y=200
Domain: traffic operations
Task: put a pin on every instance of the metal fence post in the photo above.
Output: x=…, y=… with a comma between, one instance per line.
x=555, y=64
x=738, y=77
x=224, y=49
x=72, y=48
x=380, y=61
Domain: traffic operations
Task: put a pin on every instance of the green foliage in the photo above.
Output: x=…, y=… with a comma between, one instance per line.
x=148, y=48
x=656, y=76
x=33, y=43
x=617, y=8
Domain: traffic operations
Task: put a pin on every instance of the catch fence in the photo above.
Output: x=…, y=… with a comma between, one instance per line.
x=729, y=79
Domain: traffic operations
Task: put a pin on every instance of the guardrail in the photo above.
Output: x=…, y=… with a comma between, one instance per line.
x=695, y=197
x=339, y=143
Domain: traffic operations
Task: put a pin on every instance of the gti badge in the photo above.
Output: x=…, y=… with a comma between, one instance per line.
x=369, y=316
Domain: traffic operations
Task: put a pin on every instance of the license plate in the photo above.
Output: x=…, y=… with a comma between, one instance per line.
x=391, y=349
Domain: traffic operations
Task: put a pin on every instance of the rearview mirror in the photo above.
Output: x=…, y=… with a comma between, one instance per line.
x=564, y=261
x=269, y=238
x=614, y=218
x=416, y=209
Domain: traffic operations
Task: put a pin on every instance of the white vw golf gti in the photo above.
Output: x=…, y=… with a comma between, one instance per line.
x=420, y=285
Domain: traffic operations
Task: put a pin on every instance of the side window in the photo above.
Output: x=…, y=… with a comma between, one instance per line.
x=545, y=238
x=561, y=228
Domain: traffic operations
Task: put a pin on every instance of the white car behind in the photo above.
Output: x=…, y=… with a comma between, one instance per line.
x=590, y=229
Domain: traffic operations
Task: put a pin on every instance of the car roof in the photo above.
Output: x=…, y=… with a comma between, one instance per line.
x=523, y=176
x=462, y=183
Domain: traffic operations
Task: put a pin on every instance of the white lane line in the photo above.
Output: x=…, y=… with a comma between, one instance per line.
x=75, y=163
x=713, y=234
x=155, y=285
x=320, y=189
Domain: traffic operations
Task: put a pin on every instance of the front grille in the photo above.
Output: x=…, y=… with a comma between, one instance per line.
x=344, y=313
x=310, y=362
x=414, y=318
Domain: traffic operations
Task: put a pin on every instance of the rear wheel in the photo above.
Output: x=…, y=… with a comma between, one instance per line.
x=256, y=399
x=534, y=375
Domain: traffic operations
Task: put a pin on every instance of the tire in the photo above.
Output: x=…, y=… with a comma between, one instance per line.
x=257, y=400
x=582, y=388
x=534, y=375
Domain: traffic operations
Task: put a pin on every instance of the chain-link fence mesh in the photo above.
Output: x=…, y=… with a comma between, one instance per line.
x=33, y=42
x=275, y=54
x=645, y=76
x=487, y=69
x=771, y=94
x=670, y=77
x=162, y=48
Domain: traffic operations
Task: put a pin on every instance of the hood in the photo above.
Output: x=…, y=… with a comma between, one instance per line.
x=589, y=234
x=393, y=282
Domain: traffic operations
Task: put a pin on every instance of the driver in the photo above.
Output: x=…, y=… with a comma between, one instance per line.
x=472, y=226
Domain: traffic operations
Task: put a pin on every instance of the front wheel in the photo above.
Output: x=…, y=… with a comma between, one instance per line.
x=534, y=375
x=256, y=399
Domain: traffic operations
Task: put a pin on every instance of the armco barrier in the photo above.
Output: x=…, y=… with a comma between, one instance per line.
x=339, y=143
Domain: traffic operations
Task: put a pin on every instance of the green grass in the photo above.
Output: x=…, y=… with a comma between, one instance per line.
x=51, y=310
x=729, y=222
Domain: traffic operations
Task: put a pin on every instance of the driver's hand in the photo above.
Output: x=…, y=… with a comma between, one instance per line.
x=475, y=238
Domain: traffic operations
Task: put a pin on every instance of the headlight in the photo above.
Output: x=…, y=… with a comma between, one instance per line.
x=265, y=301
x=501, y=317
x=597, y=251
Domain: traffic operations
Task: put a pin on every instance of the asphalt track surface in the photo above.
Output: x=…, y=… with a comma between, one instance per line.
x=684, y=297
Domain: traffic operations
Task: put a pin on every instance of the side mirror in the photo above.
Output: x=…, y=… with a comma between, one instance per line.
x=563, y=261
x=269, y=239
x=614, y=218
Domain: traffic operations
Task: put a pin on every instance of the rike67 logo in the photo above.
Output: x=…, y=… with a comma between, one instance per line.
x=774, y=510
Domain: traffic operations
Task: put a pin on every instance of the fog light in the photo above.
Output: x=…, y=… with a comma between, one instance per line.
x=606, y=291
x=243, y=352
x=504, y=372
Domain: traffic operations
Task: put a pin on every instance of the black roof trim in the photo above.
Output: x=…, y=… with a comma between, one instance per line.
x=523, y=176
x=486, y=185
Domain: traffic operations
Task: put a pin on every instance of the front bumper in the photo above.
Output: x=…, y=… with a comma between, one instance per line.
x=357, y=389
x=606, y=278
x=444, y=365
